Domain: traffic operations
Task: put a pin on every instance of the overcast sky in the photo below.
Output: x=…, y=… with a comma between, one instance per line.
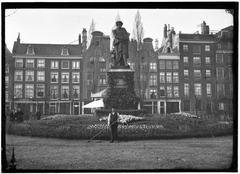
x=62, y=26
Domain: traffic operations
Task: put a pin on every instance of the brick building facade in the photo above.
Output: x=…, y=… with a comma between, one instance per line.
x=47, y=78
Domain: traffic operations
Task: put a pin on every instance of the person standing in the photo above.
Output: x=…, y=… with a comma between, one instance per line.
x=113, y=124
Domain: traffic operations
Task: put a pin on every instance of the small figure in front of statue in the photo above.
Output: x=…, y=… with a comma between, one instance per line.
x=113, y=124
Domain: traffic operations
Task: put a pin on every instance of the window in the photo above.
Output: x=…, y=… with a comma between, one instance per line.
x=169, y=91
x=197, y=74
x=176, y=91
x=220, y=73
x=6, y=96
x=29, y=91
x=207, y=60
x=162, y=91
x=30, y=50
x=6, y=68
x=196, y=61
x=102, y=81
x=175, y=65
x=65, y=92
x=76, y=91
x=161, y=64
x=186, y=73
x=18, y=76
x=169, y=77
x=185, y=60
x=153, y=80
x=220, y=90
x=6, y=81
x=175, y=77
x=219, y=46
x=40, y=63
x=29, y=76
x=76, y=65
x=197, y=49
x=18, y=91
x=230, y=73
x=169, y=64
x=208, y=73
x=209, y=89
x=153, y=66
x=162, y=77
x=65, y=64
x=54, y=64
x=153, y=93
x=219, y=58
x=207, y=47
x=197, y=89
x=221, y=106
x=64, y=52
x=18, y=63
x=185, y=48
x=41, y=76
x=104, y=69
x=30, y=63
x=54, y=92
x=65, y=77
x=231, y=89
x=186, y=89
x=40, y=90
x=54, y=77
x=75, y=77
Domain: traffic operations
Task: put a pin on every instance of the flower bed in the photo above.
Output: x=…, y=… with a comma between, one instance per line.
x=125, y=119
x=85, y=127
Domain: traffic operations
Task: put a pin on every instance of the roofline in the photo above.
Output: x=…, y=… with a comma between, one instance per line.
x=196, y=41
x=46, y=57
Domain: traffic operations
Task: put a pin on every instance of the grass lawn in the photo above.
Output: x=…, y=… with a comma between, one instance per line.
x=49, y=153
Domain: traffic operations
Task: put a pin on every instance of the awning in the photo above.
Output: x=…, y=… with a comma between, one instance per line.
x=95, y=104
x=99, y=94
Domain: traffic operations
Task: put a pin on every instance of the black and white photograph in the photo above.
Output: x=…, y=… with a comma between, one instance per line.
x=119, y=87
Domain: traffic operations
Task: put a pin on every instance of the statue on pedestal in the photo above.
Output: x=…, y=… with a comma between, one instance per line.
x=120, y=43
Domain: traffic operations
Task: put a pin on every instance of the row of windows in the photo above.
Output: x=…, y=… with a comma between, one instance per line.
x=168, y=64
x=169, y=77
x=40, y=91
x=219, y=73
x=196, y=60
x=41, y=64
x=29, y=76
x=196, y=48
x=173, y=91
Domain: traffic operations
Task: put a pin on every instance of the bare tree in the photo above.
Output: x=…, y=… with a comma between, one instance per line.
x=91, y=29
x=138, y=35
x=138, y=32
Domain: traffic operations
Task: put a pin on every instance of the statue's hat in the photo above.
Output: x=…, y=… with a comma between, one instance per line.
x=119, y=22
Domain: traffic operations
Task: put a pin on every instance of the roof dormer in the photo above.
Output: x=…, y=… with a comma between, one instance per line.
x=64, y=51
x=30, y=50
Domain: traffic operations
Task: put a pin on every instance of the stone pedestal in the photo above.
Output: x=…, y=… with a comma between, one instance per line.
x=120, y=93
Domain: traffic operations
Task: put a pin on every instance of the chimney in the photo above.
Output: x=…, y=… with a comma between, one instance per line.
x=204, y=28
x=165, y=31
x=18, y=38
x=84, y=39
x=79, y=39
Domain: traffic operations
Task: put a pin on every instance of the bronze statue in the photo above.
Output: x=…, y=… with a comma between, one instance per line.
x=120, y=43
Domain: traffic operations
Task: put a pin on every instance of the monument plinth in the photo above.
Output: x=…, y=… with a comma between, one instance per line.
x=120, y=93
